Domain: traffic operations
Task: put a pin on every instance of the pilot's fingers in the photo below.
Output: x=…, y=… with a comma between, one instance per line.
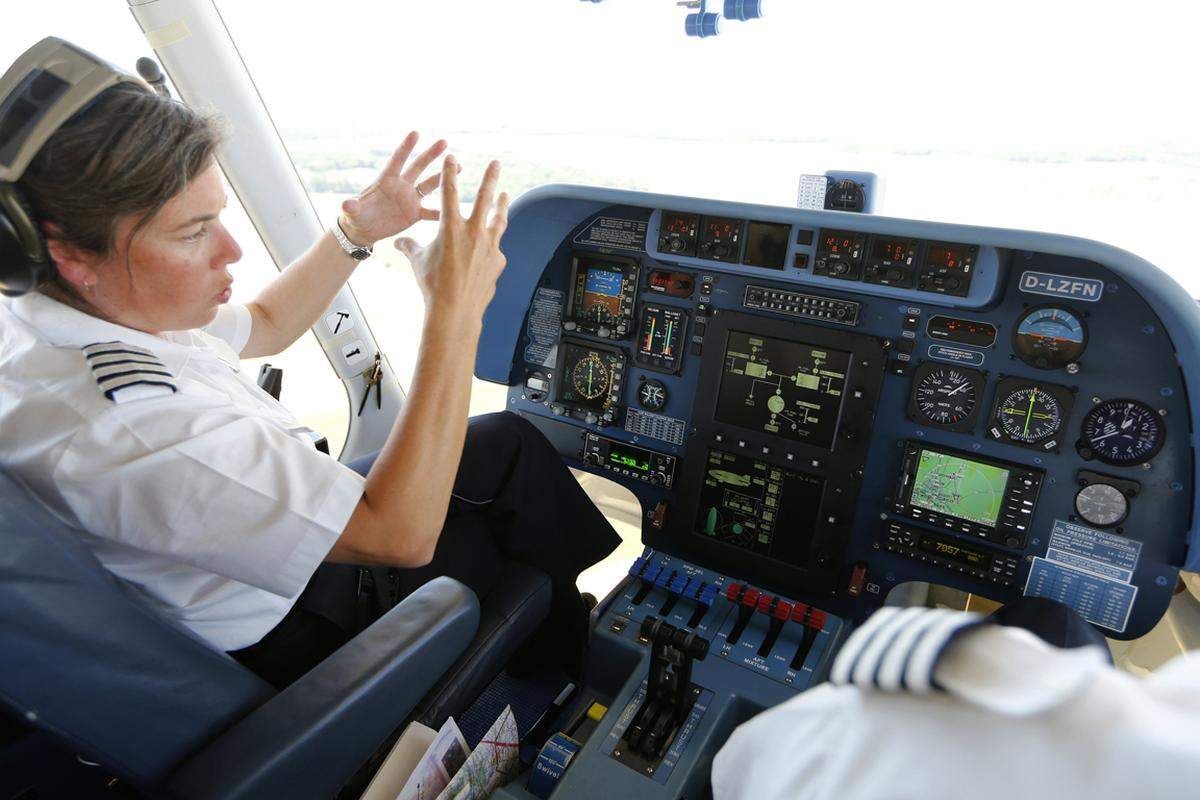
x=421, y=162
x=395, y=164
x=450, y=188
x=500, y=218
x=409, y=247
x=430, y=214
x=426, y=187
x=486, y=195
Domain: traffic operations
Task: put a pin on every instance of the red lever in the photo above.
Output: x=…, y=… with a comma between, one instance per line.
x=783, y=610
x=764, y=604
x=750, y=598
x=731, y=592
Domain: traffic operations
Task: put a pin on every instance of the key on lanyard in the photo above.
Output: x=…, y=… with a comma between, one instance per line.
x=374, y=378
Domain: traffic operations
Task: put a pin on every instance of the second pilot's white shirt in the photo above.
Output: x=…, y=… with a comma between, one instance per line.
x=921, y=705
x=186, y=480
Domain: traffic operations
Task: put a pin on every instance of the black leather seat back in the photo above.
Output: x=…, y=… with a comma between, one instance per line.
x=84, y=658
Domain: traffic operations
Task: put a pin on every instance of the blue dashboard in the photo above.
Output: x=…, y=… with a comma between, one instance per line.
x=813, y=407
x=829, y=404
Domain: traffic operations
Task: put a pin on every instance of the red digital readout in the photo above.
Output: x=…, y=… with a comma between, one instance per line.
x=838, y=244
x=679, y=225
x=947, y=257
x=893, y=251
x=720, y=230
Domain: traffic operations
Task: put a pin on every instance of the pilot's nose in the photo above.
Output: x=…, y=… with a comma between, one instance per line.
x=230, y=251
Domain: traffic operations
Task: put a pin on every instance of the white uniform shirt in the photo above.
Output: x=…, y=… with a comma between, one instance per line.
x=185, y=479
x=1017, y=719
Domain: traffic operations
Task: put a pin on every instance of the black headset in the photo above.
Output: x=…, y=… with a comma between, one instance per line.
x=45, y=87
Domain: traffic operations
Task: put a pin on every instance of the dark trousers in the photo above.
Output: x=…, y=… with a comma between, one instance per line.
x=514, y=500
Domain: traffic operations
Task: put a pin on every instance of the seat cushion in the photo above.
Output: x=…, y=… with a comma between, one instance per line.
x=509, y=615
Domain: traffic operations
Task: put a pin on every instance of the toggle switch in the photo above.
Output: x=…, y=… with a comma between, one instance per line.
x=813, y=621
x=747, y=604
x=674, y=585
x=649, y=575
x=780, y=612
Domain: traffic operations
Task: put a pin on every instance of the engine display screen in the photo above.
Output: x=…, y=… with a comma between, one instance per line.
x=759, y=507
x=766, y=244
x=784, y=388
x=959, y=487
x=660, y=337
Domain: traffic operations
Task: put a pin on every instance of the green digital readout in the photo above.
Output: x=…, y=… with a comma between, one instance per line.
x=628, y=457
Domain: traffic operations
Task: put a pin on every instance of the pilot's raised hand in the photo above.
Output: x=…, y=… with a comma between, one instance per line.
x=457, y=272
x=392, y=203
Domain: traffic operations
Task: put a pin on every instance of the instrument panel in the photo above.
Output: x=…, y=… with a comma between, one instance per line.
x=830, y=408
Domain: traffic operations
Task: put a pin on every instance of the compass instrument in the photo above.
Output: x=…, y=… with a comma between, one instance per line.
x=1050, y=337
x=1122, y=433
x=945, y=396
x=652, y=395
x=1030, y=414
x=587, y=381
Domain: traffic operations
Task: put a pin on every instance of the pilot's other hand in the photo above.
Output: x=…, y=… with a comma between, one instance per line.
x=457, y=272
x=392, y=203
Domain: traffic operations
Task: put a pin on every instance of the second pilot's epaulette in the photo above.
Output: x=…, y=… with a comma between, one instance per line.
x=127, y=372
x=897, y=649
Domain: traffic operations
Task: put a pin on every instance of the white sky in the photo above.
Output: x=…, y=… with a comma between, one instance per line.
x=1018, y=75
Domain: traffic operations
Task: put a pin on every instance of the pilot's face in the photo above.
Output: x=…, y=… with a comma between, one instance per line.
x=178, y=262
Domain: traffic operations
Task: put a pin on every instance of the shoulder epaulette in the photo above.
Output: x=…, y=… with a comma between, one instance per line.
x=127, y=372
x=896, y=649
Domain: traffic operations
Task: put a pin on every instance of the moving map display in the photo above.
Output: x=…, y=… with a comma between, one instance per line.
x=758, y=507
x=959, y=487
x=783, y=388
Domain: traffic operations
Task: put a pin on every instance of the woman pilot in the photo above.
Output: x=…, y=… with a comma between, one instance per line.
x=123, y=408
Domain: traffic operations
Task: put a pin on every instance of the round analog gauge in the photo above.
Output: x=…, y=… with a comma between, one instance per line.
x=946, y=395
x=1101, y=504
x=590, y=376
x=1030, y=414
x=1050, y=337
x=1122, y=433
x=652, y=395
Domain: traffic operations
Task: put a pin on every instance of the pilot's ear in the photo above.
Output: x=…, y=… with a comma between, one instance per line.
x=75, y=264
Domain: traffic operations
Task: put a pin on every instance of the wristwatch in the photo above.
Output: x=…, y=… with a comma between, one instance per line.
x=357, y=252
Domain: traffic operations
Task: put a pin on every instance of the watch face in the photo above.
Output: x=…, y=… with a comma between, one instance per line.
x=360, y=254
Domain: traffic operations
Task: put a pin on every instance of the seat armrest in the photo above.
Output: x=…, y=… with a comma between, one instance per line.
x=308, y=740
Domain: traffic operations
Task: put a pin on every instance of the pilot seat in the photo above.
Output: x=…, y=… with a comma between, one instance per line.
x=88, y=669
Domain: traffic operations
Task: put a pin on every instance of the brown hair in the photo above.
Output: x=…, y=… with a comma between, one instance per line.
x=126, y=153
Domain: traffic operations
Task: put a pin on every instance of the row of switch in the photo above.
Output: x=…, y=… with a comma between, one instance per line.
x=750, y=600
x=676, y=584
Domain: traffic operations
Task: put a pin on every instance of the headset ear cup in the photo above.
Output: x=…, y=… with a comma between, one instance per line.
x=24, y=260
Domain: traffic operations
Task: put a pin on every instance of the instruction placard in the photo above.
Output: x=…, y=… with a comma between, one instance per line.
x=1089, y=570
x=543, y=327
x=624, y=234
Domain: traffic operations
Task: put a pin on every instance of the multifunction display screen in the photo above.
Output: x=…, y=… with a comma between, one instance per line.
x=788, y=389
x=959, y=487
x=601, y=294
x=759, y=507
x=660, y=337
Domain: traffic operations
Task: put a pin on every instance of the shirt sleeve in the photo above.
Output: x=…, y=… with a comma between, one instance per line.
x=190, y=479
x=232, y=324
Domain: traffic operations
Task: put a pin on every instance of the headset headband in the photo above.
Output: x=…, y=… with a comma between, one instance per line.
x=43, y=88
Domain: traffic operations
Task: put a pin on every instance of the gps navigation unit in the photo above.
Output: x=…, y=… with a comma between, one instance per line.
x=985, y=497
